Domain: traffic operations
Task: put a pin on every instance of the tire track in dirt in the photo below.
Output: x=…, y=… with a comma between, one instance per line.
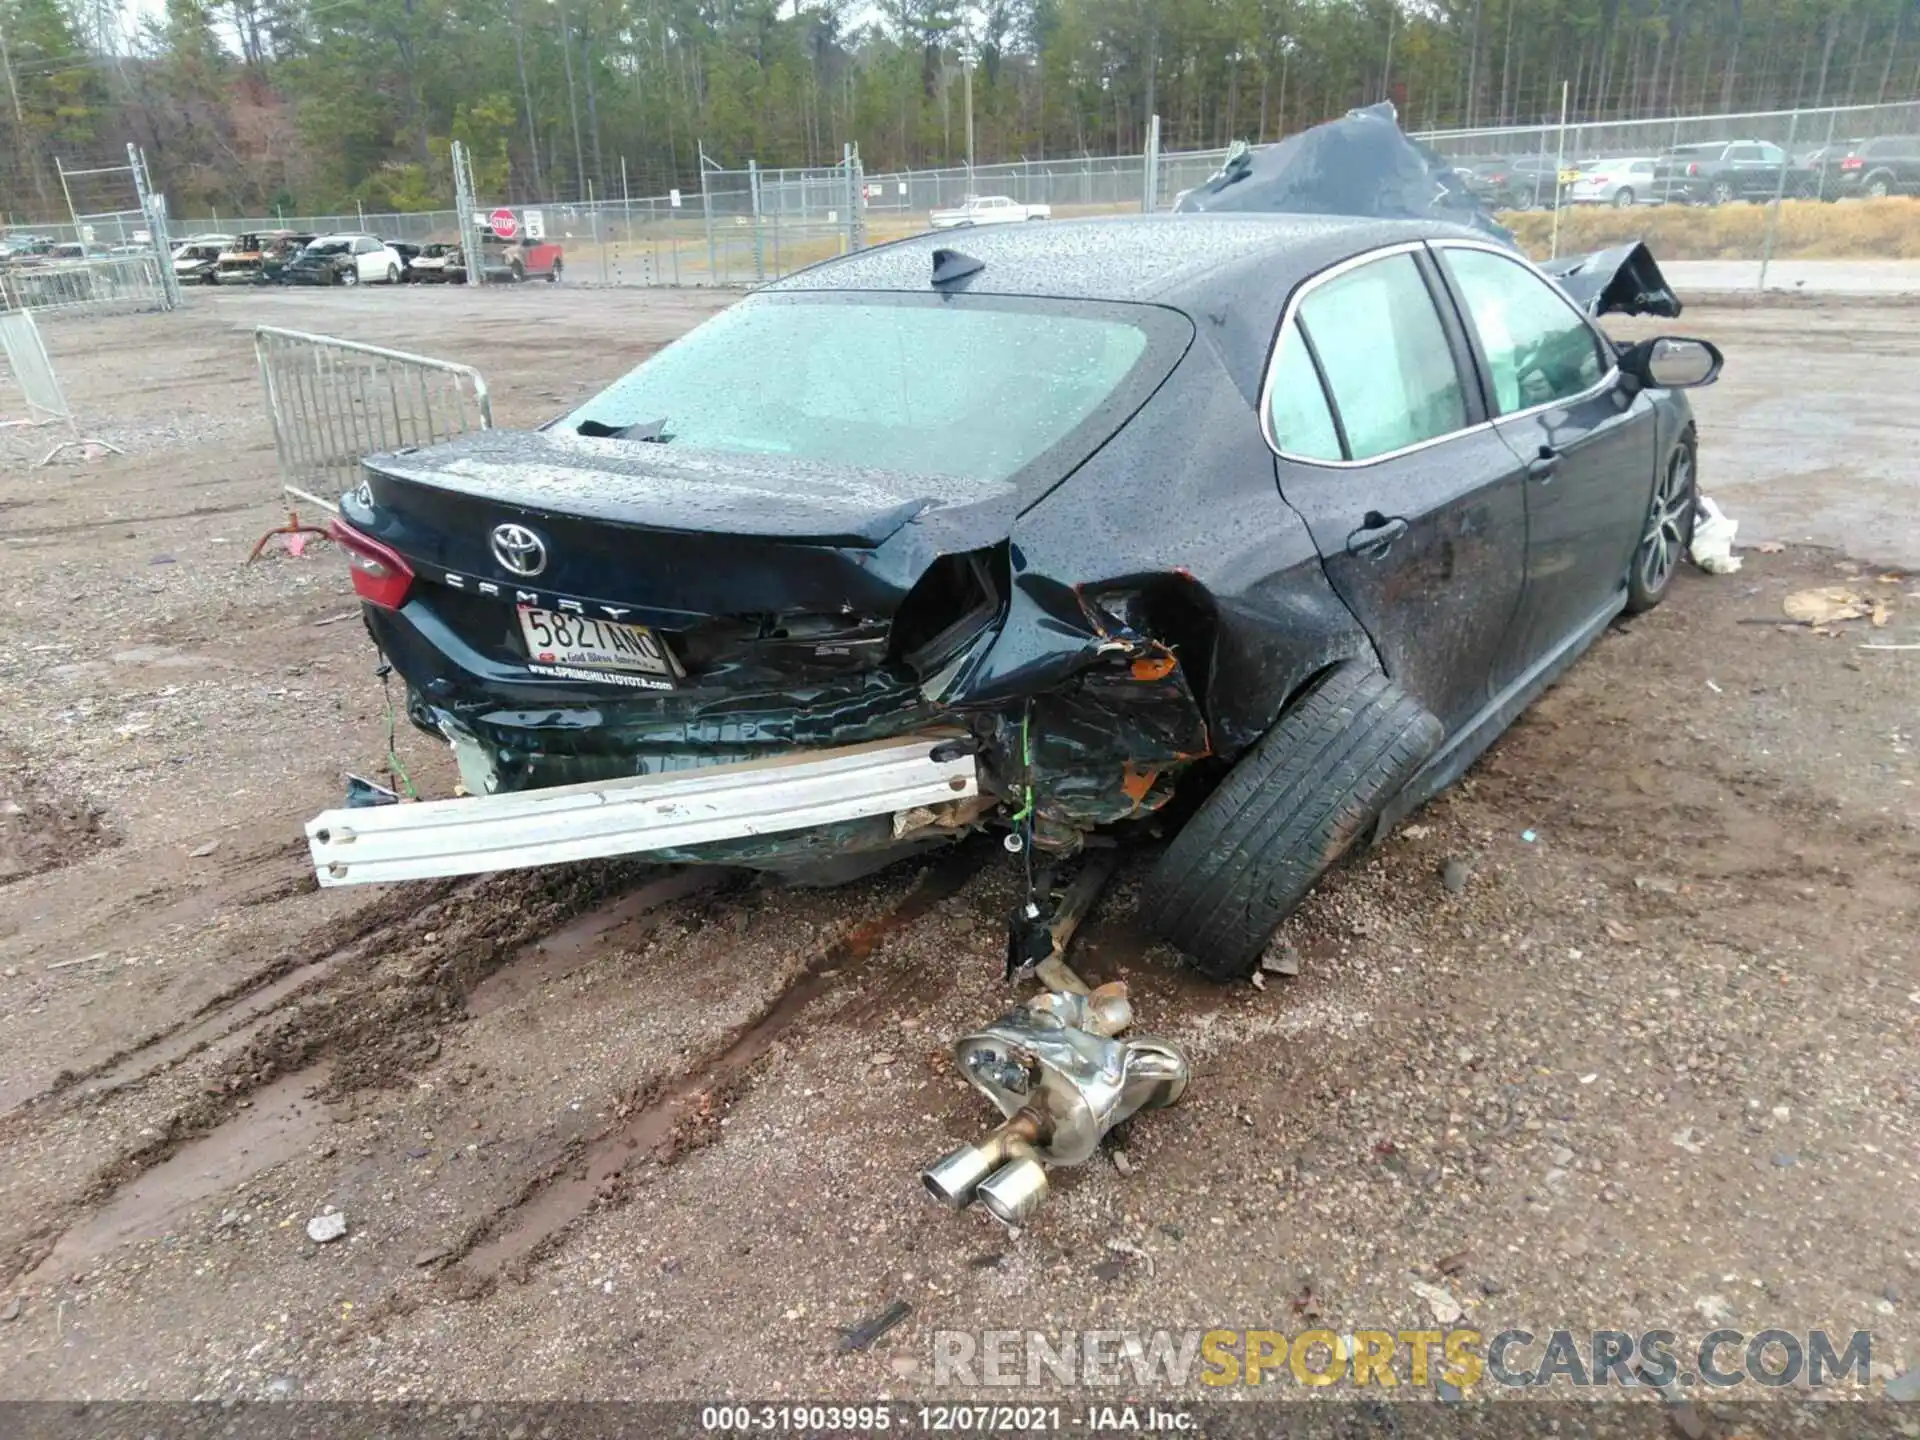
x=240, y=1006
x=668, y=1118
x=76, y=527
x=371, y=1017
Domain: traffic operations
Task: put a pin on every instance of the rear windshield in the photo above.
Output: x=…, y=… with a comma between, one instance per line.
x=974, y=387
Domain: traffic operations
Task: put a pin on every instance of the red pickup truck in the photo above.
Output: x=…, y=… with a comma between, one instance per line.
x=510, y=260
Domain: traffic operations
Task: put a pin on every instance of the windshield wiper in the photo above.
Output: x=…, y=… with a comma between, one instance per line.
x=651, y=431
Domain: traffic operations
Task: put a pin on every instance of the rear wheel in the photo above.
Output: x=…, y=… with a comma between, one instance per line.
x=1879, y=186
x=1292, y=806
x=1623, y=197
x=1721, y=194
x=1668, y=530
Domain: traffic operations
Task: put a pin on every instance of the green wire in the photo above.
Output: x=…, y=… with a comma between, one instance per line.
x=1026, y=759
x=393, y=757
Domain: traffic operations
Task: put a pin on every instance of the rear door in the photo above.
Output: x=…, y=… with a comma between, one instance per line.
x=1585, y=443
x=1415, y=504
x=1754, y=170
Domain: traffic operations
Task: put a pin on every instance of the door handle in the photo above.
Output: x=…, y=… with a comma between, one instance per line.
x=1376, y=535
x=1543, y=465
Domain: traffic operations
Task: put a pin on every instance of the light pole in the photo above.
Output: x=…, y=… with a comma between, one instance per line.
x=967, y=59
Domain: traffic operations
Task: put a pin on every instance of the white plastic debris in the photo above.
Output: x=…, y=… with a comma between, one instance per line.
x=1713, y=539
x=324, y=1229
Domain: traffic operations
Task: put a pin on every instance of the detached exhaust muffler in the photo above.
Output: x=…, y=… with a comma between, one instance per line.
x=1056, y=1070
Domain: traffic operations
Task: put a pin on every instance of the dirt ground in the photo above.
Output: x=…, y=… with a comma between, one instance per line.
x=614, y=1130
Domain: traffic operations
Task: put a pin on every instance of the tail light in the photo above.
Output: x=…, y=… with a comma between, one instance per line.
x=1692, y=168
x=1852, y=162
x=380, y=577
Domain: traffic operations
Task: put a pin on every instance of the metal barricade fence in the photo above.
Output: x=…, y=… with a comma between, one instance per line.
x=113, y=284
x=333, y=402
x=32, y=370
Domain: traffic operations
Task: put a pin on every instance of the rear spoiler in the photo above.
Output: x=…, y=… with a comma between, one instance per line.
x=1621, y=281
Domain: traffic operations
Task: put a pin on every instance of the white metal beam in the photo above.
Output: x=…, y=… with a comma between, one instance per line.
x=480, y=834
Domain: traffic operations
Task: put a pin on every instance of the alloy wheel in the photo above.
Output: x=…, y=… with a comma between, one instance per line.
x=1665, y=538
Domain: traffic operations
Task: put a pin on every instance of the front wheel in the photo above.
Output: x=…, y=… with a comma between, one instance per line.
x=1623, y=197
x=1291, y=806
x=349, y=276
x=1668, y=530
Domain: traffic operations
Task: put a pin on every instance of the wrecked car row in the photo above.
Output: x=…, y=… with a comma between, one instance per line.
x=1281, y=517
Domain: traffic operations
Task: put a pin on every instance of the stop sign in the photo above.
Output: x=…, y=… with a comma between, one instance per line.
x=502, y=223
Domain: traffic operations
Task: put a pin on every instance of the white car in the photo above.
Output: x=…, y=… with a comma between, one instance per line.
x=1614, y=182
x=374, y=262
x=987, y=210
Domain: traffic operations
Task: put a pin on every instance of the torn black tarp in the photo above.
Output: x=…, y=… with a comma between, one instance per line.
x=1364, y=164
x=1621, y=281
x=1361, y=164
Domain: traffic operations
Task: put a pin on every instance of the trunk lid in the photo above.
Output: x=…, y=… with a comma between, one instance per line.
x=742, y=565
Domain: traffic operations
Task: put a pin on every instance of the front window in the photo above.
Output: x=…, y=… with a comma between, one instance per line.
x=1538, y=348
x=974, y=387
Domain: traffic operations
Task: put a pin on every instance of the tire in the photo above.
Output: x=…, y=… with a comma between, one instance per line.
x=349, y=276
x=1720, y=194
x=1878, y=187
x=393, y=274
x=1668, y=530
x=1292, y=806
x=1623, y=197
x=553, y=275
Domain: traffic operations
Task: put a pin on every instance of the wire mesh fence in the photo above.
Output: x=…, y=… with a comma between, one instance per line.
x=1749, y=186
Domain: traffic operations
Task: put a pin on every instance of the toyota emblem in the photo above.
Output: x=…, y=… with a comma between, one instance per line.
x=519, y=550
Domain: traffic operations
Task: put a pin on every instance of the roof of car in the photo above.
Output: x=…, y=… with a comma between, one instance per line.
x=1142, y=257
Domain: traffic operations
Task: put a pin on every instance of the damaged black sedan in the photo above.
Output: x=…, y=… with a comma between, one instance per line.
x=1280, y=518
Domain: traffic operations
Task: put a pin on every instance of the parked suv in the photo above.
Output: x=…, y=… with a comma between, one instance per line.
x=1888, y=165
x=1721, y=171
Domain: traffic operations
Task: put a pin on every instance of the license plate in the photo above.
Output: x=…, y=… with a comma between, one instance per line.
x=584, y=648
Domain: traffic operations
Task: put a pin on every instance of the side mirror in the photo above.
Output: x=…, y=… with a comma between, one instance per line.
x=1672, y=363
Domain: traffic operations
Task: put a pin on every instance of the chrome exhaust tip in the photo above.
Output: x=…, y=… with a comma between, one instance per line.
x=955, y=1177
x=1014, y=1193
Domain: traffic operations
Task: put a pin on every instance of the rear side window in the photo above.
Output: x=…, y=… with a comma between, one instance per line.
x=1538, y=347
x=1385, y=357
x=1297, y=406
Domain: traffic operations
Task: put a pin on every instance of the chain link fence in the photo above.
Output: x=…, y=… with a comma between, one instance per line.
x=1827, y=184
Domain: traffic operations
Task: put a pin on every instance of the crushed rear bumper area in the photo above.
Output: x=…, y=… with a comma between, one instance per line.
x=903, y=790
